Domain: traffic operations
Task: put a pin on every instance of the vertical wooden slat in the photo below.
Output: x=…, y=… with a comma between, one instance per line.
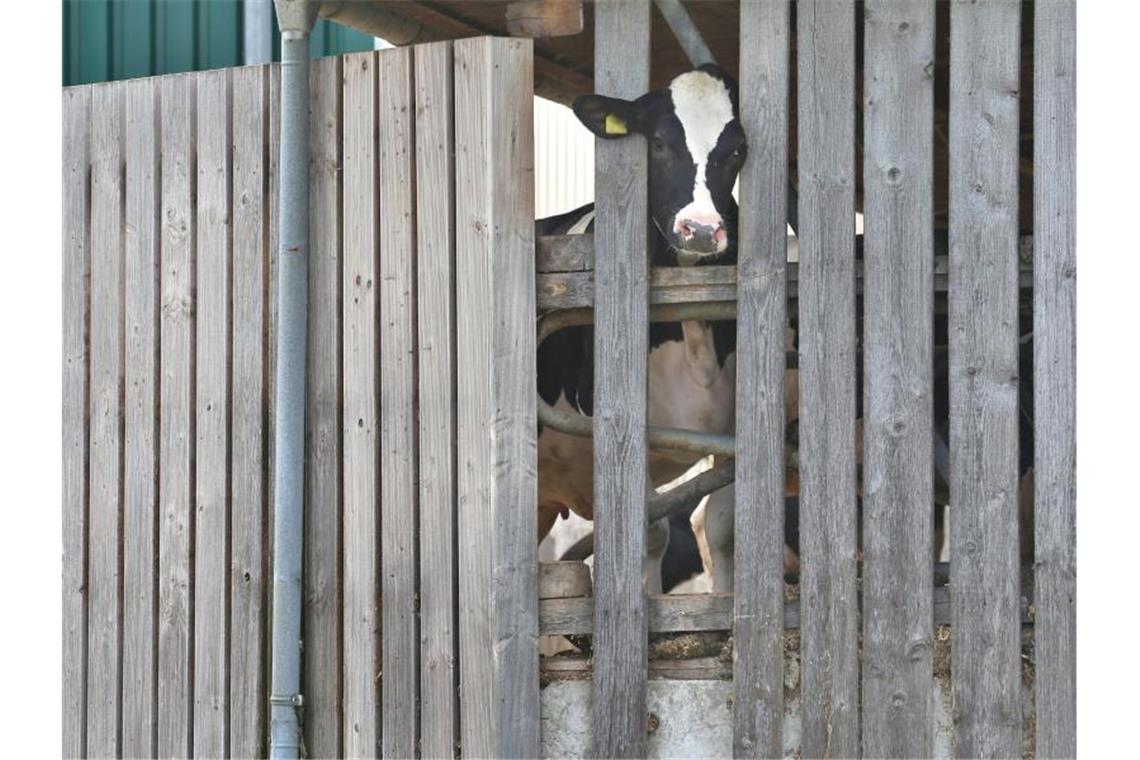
x=496, y=397
x=322, y=615
x=212, y=408
x=984, y=576
x=176, y=416
x=1054, y=361
x=435, y=294
x=758, y=612
x=898, y=293
x=361, y=410
x=103, y=634
x=826, y=70
x=140, y=550
x=397, y=403
x=621, y=69
x=248, y=438
x=76, y=200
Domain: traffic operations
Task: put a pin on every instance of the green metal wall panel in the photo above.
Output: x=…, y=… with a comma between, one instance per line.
x=105, y=40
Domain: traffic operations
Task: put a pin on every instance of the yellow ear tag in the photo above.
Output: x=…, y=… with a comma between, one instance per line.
x=615, y=126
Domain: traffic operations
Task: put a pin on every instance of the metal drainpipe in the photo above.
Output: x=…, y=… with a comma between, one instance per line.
x=295, y=17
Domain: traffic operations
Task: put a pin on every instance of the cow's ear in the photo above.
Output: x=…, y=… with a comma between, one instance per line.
x=608, y=117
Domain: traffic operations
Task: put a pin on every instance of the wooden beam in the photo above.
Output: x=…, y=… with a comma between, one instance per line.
x=544, y=18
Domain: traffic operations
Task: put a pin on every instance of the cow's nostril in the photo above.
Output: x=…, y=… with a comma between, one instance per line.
x=686, y=230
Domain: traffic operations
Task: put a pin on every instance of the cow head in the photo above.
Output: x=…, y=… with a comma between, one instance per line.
x=696, y=149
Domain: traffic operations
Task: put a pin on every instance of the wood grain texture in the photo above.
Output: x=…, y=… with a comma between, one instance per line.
x=248, y=523
x=898, y=642
x=621, y=343
x=212, y=412
x=399, y=659
x=76, y=272
x=983, y=377
x=105, y=516
x=758, y=659
x=176, y=441
x=322, y=561
x=435, y=355
x=564, y=253
x=140, y=497
x=497, y=397
x=1055, y=369
x=361, y=411
x=826, y=69
x=672, y=613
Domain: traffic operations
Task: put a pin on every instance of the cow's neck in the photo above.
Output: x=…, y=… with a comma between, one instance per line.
x=707, y=344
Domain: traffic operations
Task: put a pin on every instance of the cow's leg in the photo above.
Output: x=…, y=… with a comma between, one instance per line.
x=656, y=542
x=719, y=536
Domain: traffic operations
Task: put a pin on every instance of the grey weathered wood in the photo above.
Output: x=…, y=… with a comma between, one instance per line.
x=560, y=580
x=984, y=58
x=570, y=289
x=564, y=253
x=758, y=701
x=322, y=617
x=1054, y=386
x=361, y=412
x=212, y=410
x=665, y=613
x=435, y=354
x=248, y=523
x=898, y=297
x=497, y=397
x=104, y=527
x=399, y=659
x=76, y=198
x=675, y=613
x=621, y=65
x=140, y=495
x=826, y=69
x=176, y=417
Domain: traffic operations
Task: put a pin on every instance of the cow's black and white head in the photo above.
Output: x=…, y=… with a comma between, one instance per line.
x=696, y=150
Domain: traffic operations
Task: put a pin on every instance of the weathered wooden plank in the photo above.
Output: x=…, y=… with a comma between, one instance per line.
x=621, y=66
x=1055, y=370
x=140, y=496
x=564, y=253
x=212, y=408
x=322, y=618
x=983, y=377
x=496, y=409
x=399, y=658
x=175, y=687
x=898, y=298
x=559, y=580
x=758, y=657
x=677, y=613
x=105, y=516
x=361, y=412
x=826, y=68
x=248, y=523
x=76, y=271
x=435, y=355
x=570, y=289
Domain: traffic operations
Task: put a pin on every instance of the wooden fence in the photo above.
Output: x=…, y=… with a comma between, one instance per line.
x=420, y=179
x=421, y=604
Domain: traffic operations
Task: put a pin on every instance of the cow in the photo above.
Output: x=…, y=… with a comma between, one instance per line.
x=696, y=148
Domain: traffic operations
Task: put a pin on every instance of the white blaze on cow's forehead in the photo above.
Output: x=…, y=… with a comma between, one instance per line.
x=702, y=105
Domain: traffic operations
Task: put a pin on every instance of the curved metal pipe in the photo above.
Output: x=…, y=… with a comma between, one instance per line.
x=660, y=438
x=666, y=504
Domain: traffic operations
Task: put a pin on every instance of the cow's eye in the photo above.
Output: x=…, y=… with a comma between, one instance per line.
x=658, y=145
